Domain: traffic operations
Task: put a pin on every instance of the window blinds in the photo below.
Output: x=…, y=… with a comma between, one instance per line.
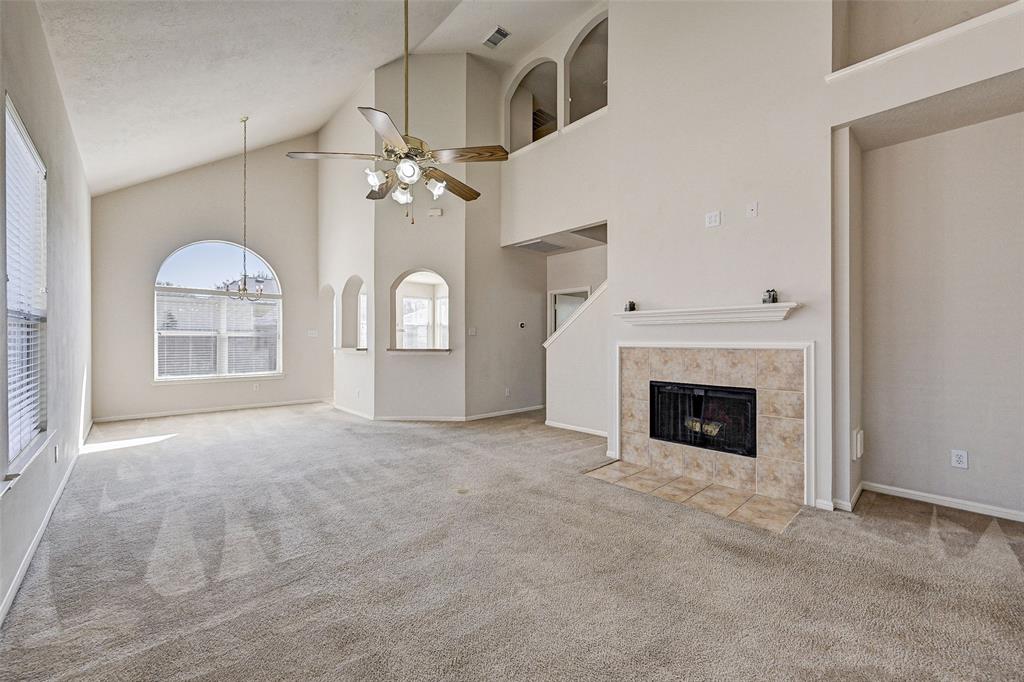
x=26, y=288
x=211, y=334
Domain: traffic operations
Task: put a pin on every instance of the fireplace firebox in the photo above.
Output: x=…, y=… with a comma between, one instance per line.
x=713, y=417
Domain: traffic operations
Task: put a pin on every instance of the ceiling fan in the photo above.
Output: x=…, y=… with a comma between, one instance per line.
x=412, y=157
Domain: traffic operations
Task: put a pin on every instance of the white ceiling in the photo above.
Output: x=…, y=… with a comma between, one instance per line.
x=157, y=86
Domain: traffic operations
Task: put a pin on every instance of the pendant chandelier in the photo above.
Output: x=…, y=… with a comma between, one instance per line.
x=241, y=293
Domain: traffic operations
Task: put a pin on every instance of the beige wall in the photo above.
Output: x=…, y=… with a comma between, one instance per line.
x=29, y=78
x=417, y=385
x=136, y=228
x=873, y=27
x=345, y=240
x=577, y=388
x=583, y=268
x=743, y=126
x=943, y=360
x=504, y=286
x=848, y=307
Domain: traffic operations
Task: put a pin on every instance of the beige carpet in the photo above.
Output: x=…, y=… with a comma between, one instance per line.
x=300, y=543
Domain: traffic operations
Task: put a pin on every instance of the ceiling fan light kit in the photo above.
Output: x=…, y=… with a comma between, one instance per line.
x=414, y=160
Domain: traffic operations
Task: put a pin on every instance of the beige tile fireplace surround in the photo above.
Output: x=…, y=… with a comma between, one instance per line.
x=777, y=375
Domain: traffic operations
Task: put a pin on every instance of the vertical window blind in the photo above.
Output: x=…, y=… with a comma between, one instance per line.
x=26, y=288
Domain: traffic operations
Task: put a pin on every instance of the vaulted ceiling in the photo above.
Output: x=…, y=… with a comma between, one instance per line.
x=157, y=86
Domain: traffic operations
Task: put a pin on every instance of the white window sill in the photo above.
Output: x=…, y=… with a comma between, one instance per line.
x=355, y=351
x=39, y=445
x=421, y=351
x=270, y=376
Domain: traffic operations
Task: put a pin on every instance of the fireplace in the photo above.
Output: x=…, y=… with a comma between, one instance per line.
x=713, y=417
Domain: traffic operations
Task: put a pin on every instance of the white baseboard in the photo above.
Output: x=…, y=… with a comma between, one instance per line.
x=468, y=418
x=581, y=429
x=355, y=413
x=824, y=504
x=849, y=506
x=612, y=454
x=203, y=410
x=502, y=413
x=943, y=501
x=12, y=591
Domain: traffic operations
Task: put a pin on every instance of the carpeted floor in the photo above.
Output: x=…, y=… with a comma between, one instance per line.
x=300, y=543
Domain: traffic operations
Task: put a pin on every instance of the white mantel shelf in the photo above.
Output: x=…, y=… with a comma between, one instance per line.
x=761, y=312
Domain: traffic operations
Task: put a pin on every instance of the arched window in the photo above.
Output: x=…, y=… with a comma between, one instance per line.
x=420, y=311
x=586, y=71
x=533, y=107
x=354, y=309
x=199, y=330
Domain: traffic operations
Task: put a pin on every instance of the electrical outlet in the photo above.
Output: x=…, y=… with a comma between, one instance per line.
x=753, y=210
x=255, y=388
x=713, y=219
x=958, y=459
x=508, y=392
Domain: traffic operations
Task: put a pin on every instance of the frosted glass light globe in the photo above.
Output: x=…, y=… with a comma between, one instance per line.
x=408, y=171
x=402, y=195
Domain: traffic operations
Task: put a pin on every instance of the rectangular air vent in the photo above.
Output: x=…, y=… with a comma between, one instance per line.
x=495, y=38
x=541, y=246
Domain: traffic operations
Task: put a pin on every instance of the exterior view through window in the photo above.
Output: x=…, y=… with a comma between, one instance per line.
x=199, y=330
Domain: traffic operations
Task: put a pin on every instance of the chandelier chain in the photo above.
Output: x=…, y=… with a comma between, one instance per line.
x=245, y=178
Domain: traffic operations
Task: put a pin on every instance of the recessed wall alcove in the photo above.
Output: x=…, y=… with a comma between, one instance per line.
x=927, y=243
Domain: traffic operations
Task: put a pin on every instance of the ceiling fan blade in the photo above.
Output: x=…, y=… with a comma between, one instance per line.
x=313, y=156
x=384, y=189
x=385, y=127
x=454, y=185
x=494, y=152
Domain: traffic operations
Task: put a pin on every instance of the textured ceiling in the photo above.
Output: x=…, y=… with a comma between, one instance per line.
x=154, y=87
x=157, y=86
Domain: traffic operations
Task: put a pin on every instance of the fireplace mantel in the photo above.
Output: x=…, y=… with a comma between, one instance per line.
x=761, y=312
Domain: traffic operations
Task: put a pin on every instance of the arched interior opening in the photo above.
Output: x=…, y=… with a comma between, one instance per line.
x=586, y=71
x=354, y=314
x=533, y=107
x=420, y=311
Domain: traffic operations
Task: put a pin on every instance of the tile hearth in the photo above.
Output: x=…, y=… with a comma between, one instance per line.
x=735, y=504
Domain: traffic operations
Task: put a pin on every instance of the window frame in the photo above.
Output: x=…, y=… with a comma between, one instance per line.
x=215, y=378
x=39, y=441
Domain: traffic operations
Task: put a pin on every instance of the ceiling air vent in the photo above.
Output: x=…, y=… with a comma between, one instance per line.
x=495, y=38
x=541, y=246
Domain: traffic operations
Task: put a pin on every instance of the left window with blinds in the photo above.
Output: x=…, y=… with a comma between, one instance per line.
x=201, y=331
x=26, y=288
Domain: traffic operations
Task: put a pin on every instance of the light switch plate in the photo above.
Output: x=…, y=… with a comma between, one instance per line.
x=713, y=219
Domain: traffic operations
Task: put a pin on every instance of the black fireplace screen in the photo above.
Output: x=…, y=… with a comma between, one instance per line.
x=713, y=417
